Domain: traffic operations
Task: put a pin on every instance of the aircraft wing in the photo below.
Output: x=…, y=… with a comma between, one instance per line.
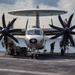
x=47, y=31
x=22, y=32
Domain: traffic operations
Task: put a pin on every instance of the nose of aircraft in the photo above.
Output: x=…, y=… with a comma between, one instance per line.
x=33, y=40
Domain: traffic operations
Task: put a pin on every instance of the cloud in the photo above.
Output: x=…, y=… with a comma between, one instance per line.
x=46, y=2
x=7, y=1
x=35, y=2
x=23, y=4
x=68, y=5
x=15, y=5
x=8, y=5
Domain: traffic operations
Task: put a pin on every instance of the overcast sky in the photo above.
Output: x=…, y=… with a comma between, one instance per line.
x=8, y=5
x=35, y=2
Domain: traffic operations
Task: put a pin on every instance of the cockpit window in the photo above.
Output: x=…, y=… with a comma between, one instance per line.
x=34, y=32
x=30, y=32
x=37, y=32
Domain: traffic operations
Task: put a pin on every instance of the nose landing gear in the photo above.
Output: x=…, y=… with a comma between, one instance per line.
x=34, y=54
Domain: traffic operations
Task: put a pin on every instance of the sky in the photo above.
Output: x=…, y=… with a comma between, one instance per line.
x=9, y=5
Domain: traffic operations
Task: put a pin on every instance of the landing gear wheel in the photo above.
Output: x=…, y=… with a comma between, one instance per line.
x=36, y=56
x=32, y=56
x=12, y=52
x=18, y=53
x=62, y=52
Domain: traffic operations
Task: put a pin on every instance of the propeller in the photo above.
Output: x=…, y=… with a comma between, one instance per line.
x=65, y=31
x=6, y=31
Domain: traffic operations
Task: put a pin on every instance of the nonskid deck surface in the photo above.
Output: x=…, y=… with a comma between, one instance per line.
x=44, y=65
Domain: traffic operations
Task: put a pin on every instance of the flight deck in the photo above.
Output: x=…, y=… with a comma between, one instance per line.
x=44, y=65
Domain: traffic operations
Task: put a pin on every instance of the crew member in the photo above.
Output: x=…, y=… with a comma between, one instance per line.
x=52, y=47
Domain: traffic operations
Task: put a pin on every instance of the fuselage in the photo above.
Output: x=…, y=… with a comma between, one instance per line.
x=34, y=38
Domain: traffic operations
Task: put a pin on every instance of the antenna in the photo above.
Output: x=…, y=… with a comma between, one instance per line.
x=37, y=18
x=26, y=23
x=51, y=21
x=37, y=7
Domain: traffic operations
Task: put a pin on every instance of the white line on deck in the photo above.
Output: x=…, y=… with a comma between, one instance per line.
x=10, y=58
x=29, y=72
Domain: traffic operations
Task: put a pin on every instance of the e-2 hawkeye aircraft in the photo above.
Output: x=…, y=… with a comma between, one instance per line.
x=34, y=37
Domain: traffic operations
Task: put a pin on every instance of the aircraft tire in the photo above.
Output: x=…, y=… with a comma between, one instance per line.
x=12, y=52
x=36, y=56
x=18, y=53
x=32, y=56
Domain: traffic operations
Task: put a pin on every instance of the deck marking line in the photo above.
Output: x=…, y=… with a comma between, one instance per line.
x=31, y=72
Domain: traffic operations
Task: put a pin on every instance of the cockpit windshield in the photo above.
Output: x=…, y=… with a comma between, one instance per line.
x=34, y=32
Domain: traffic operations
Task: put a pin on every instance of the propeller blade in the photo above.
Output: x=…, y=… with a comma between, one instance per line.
x=1, y=31
x=71, y=32
x=57, y=28
x=11, y=36
x=61, y=21
x=58, y=35
x=1, y=28
x=6, y=41
x=11, y=23
x=63, y=40
x=72, y=27
x=26, y=24
x=15, y=30
x=1, y=36
x=3, y=21
x=71, y=40
x=50, y=24
x=70, y=19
